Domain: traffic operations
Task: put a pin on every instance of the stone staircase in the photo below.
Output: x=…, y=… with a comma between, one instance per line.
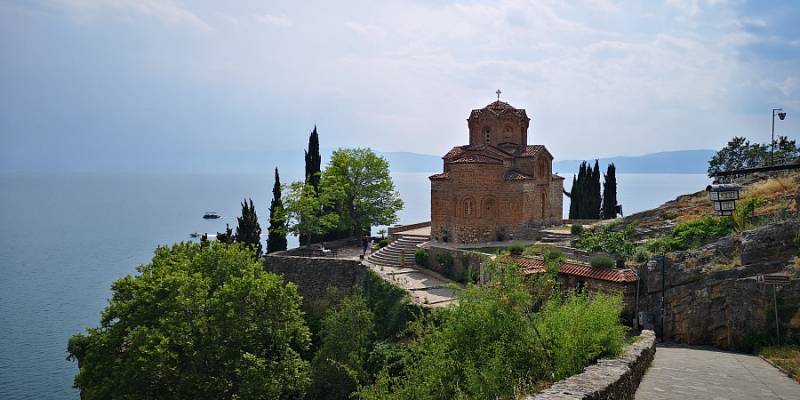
x=390, y=255
x=556, y=237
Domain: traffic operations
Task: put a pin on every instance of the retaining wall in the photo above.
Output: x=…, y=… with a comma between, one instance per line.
x=313, y=275
x=615, y=379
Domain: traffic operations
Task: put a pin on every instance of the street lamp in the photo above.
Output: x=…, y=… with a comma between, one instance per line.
x=781, y=115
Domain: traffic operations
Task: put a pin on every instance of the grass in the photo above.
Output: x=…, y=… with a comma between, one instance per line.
x=772, y=187
x=786, y=357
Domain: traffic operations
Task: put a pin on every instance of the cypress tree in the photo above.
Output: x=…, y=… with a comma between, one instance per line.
x=313, y=160
x=596, y=200
x=276, y=241
x=573, y=213
x=313, y=169
x=610, y=193
x=226, y=237
x=578, y=191
x=249, y=231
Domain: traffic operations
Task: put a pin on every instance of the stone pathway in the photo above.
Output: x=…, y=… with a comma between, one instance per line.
x=694, y=373
x=425, y=288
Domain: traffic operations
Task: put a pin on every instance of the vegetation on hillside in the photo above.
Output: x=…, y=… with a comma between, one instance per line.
x=785, y=357
x=491, y=345
x=740, y=153
x=196, y=323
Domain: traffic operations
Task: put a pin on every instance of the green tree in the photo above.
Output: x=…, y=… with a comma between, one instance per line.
x=313, y=160
x=347, y=337
x=366, y=194
x=228, y=237
x=307, y=213
x=276, y=239
x=573, y=199
x=248, y=231
x=595, y=200
x=610, y=193
x=737, y=154
x=196, y=323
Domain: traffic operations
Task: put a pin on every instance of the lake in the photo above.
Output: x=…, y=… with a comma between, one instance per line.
x=65, y=238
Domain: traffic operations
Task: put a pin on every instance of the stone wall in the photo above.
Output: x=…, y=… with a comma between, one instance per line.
x=708, y=302
x=313, y=275
x=465, y=262
x=607, y=379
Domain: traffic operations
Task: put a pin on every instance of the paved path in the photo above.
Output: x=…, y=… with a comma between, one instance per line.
x=425, y=288
x=692, y=373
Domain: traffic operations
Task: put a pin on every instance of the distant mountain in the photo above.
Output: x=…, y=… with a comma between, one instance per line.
x=667, y=162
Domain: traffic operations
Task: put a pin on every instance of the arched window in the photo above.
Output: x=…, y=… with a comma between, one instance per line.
x=467, y=207
x=507, y=134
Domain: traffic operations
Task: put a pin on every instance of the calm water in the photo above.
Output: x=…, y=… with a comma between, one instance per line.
x=64, y=239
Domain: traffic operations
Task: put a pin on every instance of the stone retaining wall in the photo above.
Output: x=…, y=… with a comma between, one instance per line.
x=607, y=379
x=313, y=275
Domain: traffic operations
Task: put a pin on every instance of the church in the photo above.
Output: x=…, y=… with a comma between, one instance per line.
x=497, y=187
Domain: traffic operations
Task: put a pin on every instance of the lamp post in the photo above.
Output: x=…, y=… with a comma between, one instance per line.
x=781, y=115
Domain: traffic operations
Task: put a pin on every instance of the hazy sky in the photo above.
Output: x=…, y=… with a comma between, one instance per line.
x=135, y=82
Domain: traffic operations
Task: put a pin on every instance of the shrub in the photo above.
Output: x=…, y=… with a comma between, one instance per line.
x=576, y=229
x=445, y=260
x=743, y=214
x=347, y=334
x=515, y=249
x=617, y=243
x=693, y=233
x=593, y=331
x=420, y=257
x=602, y=261
x=490, y=346
x=641, y=254
x=383, y=243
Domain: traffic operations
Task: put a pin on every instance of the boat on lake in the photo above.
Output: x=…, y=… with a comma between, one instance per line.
x=211, y=215
x=194, y=234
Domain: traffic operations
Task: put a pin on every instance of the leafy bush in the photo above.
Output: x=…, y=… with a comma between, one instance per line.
x=617, y=243
x=515, y=249
x=602, y=261
x=347, y=335
x=691, y=234
x=383, y=243
x=196, y=322
x=420, y=257
x=743, y=214
x=489, y=345
x=641, y=254
x=576, y=229
x=580, y=330
x=445, y=260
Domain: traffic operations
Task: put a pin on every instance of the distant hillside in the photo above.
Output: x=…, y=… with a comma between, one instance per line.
x=668, y=162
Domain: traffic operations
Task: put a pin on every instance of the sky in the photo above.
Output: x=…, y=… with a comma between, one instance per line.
x=142, y=84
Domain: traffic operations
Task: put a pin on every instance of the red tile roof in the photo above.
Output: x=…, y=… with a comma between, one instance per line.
x=455, y=151
x=532, y=265
x=443, y=175
x=531, y=150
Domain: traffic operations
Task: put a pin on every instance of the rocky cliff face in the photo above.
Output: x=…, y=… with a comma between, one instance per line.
x=712, y=296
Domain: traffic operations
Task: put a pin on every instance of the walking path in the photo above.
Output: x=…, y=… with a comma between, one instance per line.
x=694, y=373
x=395, y=264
